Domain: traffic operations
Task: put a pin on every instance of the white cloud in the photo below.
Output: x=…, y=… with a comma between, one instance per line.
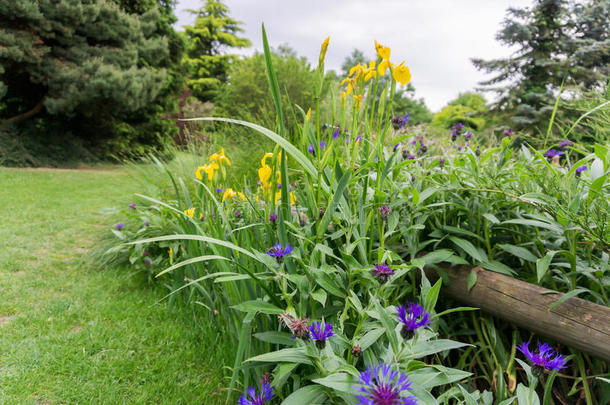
x=436, y=38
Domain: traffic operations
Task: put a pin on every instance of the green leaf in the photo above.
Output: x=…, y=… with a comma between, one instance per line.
x=567, y=296
x=469, y=248
x=310, y=394
x=388, y=323
x=518, y=251
x=429, y=347
x=290, y=355
x=437, y=256
x=430, y=377
x=370, y=338
x=328, y=283
x=471, y=280
x=432, y=296
x=277, y=338
x=532, y=222
x=542, y=264
x=339, y=381
x=191, y=261
x=498, y=267
x=258, y=306
x=320, y=296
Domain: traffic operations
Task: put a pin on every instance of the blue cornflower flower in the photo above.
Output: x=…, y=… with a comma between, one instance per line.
x=468, y=135
x=337, y=132
x=279, y=251
x=580, y=169
x=383, y=272
x=380, y=385
x=358, y=138
x=250, y=398
x=564, y=144
x=320, y=332
x=396, y=147
x=543, y=358
x=551, y=153
x=119, y=226
x=132, y=206
x=412, y=316
x=311, y=149
x=272, y=218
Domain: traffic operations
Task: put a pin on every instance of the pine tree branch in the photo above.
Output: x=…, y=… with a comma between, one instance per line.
x=23, y=116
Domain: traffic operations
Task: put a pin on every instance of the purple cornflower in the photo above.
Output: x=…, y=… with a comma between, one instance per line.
x=119, y=226
x=337, y=132
x=543, y=358
x=468, y=135
x=147, y=262
x=580, y=169
x=383, y=272
x=312, y=150
x=279, y=251
x=396, y=147
x=250, y=398
x=459, y=148
x=441, y=163
x=457, y=127
x=147, y=223
x=273, y=218
x=478, y=151
x=410, y=157
x=508, y=133
x=422, y=149
x=564, y=144
x=238, y=213
x=551, y=153
x=384, y=211
x=132, y=206
x=145, y=253
x=412, y=316
x=380, y=385
x=399, y=122
x=320, y=332
x=219, y=190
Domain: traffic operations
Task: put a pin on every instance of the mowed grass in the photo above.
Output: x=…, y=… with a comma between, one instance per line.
x=72, y=334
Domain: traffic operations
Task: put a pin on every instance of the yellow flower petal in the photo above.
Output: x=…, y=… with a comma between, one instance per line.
x=383, y=66
x=402, y=74
x=242, y=196
x=229, y=193
x=308, y=115
x=190, y=212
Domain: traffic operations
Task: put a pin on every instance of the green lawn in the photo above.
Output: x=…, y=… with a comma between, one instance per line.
x=73, y=334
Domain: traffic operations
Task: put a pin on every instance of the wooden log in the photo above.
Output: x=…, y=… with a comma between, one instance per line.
x=577, y=323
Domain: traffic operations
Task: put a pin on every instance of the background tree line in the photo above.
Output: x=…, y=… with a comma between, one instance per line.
x=95, y=79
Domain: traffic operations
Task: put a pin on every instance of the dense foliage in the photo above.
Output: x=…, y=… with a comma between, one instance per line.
x=96, y=70
x=313, y=270
x=557, y=41
x=467, y=108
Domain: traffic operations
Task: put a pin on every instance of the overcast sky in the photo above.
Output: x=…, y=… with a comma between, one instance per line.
x=436, y=38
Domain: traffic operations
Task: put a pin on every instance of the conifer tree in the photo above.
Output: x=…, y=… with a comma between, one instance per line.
x=100, y=67
x=556, y=41
x=213, y=33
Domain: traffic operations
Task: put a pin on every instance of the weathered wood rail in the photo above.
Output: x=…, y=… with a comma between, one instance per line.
x=577, y=323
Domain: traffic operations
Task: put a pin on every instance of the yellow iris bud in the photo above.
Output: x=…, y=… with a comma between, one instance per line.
x=323, y=50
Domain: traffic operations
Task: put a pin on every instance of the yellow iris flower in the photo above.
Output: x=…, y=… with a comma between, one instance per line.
x=190, y=212
x=401, y=74
x=382, y=51
x=358, y=100
x=220, y=158
x=308, y=115
x=209, y=169
x=241, y=195
x=229, y=193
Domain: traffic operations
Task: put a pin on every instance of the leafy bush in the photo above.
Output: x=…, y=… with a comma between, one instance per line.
x=306, y=269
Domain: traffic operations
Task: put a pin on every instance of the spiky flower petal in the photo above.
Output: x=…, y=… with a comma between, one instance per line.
x=380, y=385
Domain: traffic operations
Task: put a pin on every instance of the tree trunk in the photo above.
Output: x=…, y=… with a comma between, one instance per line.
x=577, y=323
x=28, y=114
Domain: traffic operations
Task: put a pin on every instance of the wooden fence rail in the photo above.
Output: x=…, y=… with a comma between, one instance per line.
x=577, y=323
